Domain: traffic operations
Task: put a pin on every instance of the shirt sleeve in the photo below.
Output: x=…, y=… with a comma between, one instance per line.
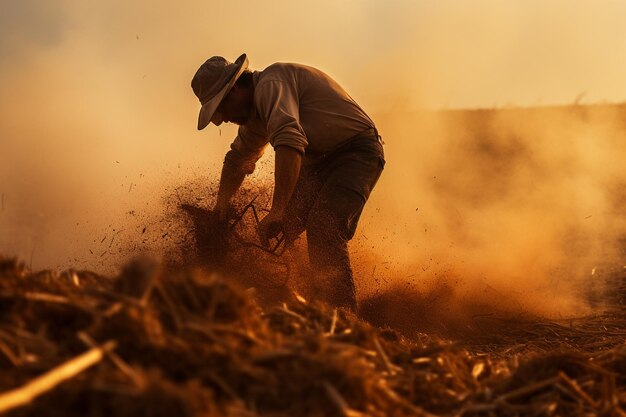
x=246, y=149
x=278, y=106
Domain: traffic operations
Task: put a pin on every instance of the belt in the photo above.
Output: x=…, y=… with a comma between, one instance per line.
x=372, y=132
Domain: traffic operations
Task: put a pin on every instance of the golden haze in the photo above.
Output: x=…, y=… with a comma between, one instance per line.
x=98, y=120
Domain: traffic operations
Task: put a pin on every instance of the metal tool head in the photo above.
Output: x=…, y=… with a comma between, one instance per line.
x=279, y=245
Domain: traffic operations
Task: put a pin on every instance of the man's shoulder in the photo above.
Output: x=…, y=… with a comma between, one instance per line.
x=285, y=71
x=279, y=71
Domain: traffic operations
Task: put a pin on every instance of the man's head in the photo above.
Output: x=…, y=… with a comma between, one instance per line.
x=237, y=106
x=224, y=90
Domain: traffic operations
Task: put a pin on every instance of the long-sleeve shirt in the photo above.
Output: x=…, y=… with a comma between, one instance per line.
x=300, y=107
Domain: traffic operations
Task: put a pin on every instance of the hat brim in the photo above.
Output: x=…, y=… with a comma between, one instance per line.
x=208, y=109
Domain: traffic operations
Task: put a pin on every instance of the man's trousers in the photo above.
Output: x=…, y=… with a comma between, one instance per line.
x=327, y=202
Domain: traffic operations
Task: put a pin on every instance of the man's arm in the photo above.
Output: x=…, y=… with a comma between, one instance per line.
x=231, y=179
x=287, y=171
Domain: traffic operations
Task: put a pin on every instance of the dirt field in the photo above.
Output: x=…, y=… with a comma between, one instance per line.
x=183, y=341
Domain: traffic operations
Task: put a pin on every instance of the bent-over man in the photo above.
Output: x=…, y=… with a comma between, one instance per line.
x=329, y=156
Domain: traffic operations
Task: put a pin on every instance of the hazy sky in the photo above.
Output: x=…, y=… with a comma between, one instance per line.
x=388, y=53
x=95, y=95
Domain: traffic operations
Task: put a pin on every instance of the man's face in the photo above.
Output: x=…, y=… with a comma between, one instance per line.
x=236, y=108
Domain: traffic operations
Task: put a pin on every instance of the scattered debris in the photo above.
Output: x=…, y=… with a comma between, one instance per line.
x=191, y=344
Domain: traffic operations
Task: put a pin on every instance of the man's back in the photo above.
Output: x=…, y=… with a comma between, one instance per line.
x=302, y=107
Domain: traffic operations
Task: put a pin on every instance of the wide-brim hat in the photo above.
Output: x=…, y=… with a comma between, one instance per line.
x=213, y=81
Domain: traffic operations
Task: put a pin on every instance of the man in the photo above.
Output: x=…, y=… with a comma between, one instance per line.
x=328, y=156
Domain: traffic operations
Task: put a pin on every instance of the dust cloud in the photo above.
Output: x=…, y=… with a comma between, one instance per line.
x=517, y=209
x=97, y=132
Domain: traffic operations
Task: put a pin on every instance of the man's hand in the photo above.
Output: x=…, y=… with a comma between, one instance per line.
x=270, y=226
